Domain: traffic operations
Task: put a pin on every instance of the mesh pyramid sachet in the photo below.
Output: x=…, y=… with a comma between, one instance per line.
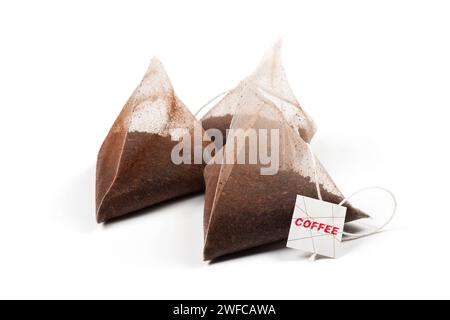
x=245, y=208
x=270, y=80
x=134, y=167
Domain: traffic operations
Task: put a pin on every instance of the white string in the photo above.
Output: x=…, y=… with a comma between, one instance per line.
x=313, y=257
x=315, y=171
x=210, y=101
x=354, y=236
x=227, y=91
x=382, y=226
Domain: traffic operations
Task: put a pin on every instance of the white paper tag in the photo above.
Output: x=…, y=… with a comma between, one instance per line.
x=317, y=227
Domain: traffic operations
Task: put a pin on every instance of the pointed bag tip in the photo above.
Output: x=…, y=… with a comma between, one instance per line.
x=208, y=254
x=275, y=50
x=278, y=44
x=100, y=216
x=156, y=65
x=155, y=61
x=157, y=74
x=271, y=61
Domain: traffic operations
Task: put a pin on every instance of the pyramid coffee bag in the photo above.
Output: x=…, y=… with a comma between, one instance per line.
x=251, y=190
x=268, y=80
x=134, y=166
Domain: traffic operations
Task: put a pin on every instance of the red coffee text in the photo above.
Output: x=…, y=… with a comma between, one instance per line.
x=308, y=224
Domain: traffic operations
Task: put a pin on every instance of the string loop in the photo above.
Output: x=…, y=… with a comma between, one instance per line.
x=210, y=101
x=353, y=236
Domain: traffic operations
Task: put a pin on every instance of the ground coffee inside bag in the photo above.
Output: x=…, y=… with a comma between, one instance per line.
x=134, y=166
x=246, y=207
x=254, y=210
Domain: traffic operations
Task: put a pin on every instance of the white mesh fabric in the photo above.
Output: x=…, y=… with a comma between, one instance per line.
x=269, y=79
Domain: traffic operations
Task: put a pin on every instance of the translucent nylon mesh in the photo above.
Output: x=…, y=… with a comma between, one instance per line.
x=245, y=209
x=134, y=167
x=270, y=81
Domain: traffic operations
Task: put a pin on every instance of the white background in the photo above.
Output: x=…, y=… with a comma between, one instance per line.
x=374, y=75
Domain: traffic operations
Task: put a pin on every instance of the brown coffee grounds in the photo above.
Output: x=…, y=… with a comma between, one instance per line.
x=145, y=174
x=221, y=123
x=253, y=210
